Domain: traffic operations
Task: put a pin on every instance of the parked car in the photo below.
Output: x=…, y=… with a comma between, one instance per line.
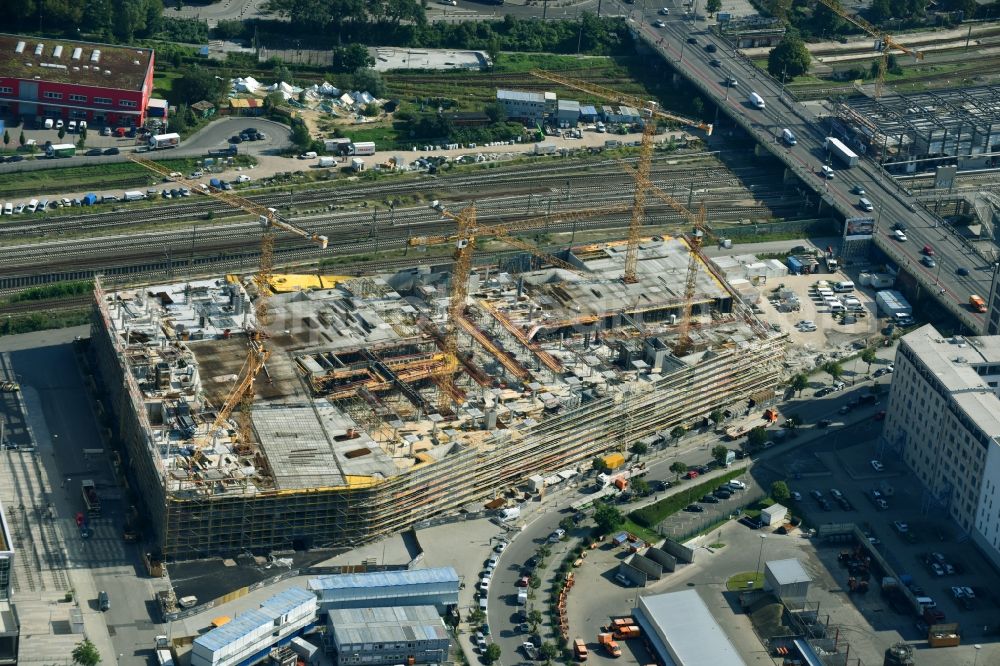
x=694, y=508
x=93, y=152
x=709, y=499
x=111, y=151
x=877, y=466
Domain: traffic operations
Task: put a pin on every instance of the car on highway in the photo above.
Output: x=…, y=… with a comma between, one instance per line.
x=716, y=62
x=692, y=40
x=877, y=465
x=826, y=172
x=732, y=82
x=928, y=261
x=857, y=189
x=928, y=251
x=664, y=11
x=962, y=270
x=899, y=235
x=824, y=423
x=865, y=205
x=659, y=24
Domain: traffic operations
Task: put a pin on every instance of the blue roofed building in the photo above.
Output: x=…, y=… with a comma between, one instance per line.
x=436, y=587
x=249, y=636
x=387, y=635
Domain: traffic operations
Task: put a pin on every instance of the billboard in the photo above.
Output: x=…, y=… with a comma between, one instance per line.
x=859, y=228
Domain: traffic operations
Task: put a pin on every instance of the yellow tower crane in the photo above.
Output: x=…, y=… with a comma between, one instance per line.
x=642, y=182
x=464, y=240
x=694, y=239
x=257, y=354
x=884, y=44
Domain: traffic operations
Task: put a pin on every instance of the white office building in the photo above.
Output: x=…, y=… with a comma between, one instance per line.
x=943, y=417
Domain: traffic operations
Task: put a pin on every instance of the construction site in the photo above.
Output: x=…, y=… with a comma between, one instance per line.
x=271, y=412
x=361, y=422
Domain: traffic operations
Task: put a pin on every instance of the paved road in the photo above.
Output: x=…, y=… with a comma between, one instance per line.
x=892, y=203
x=215, y=135
x=693, y=450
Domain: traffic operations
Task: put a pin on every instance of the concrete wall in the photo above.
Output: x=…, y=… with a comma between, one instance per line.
x=637, y=576
x=663, y=558
x=647, y=566
x=682, y=553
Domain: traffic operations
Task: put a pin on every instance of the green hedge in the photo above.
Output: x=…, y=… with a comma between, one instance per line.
x=652, y=515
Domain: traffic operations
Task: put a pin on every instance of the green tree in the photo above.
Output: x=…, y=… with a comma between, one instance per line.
x=6, y=139
x=834, y=369
x=717, y=416
x=678, y=468
x=351, y=58
x=780, y=492
x=85, y=654
x=300, y=136
x=61, y=133
x=195, y=84
x=879, y=11
x=83, y=135
x=789, y=58
x=826, y=22
x=641, y=487
x=492, y=653
x=756, y=438
x=712, y=6
x=368, y=79
x=567, y=523
x=21, y=140
x=534, y=582
x=493, y=50
x=599, y=465
x=677, y=433
x=534, y=619
x=719, y=453
x=549, y=652
x=799, y=383
x=495, y=112
x=228, y=29
x=868, y=356
x=639, y=448
x=476, y=616
x=607, y=517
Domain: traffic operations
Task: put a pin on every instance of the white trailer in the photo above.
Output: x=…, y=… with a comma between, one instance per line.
x=842, y=152
x=134, y=195
x=160, y=141
x=363, y=148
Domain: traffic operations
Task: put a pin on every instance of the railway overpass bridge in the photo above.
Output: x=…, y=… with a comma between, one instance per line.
x=960, y=269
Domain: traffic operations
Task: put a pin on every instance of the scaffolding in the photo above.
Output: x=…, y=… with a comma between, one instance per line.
x=921, y=131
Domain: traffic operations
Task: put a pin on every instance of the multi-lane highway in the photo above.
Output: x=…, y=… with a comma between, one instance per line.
x=959, y=270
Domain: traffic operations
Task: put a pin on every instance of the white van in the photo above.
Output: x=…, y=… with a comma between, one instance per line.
x=8, y=209
x=865, y=205
x=843, y=286
x=926, y=602
x=49, y=123
x=789, y=138
x=32, y=205
x=756, y=101
x=311, y=155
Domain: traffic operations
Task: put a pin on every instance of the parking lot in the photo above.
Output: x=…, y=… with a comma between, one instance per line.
x=910, y=532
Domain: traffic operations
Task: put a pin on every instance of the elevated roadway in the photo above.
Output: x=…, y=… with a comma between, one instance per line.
x=893, y=204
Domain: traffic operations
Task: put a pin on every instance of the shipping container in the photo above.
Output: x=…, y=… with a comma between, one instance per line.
x=892, y=303
x=842, y=152
x=61, y=150
x=363, y=148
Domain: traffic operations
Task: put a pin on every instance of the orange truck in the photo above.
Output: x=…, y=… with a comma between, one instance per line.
x=627, y=632
x=579, y=649
x=977, y=303
x=608, y=641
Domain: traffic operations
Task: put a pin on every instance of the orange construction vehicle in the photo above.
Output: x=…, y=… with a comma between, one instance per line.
x=977, y=303
x=608, y=641
x=627, y=632
x=579, y=649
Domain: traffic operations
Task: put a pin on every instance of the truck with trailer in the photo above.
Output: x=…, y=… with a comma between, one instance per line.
x=161, y=141
x=90, y=498
x=621, y=477
x=842, y=152
x=363, y=148
x=609, y=643
x=61, y=150
x=228, y=151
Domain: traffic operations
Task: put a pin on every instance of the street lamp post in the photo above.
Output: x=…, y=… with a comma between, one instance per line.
x=760, y=554
x=978, y=648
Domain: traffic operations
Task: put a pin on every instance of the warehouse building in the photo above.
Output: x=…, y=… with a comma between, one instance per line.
x=387, y=635
x=436, y=587
x=250, y=636
x=683, y=632
x=10, y=628
x=363, y=428
x=943, y=420
x=64, y=79
x=567, y=113
x=528, y=107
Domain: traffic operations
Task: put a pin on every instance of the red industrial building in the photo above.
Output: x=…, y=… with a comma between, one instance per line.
x=58, y=78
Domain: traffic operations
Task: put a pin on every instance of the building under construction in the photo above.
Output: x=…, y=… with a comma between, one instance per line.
x=363, y=423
